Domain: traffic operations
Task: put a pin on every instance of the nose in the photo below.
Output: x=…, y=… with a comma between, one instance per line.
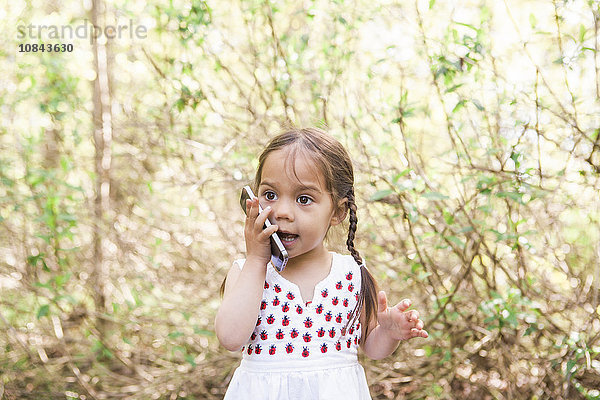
x=283, y=210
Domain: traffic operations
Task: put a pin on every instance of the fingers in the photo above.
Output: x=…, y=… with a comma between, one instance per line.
x=255, y=220
x=381, y=302
x=412, y=316
x=268, y=232
x=261, y=218
x=259, y=224
x=248, y=207
x=417, y=331
x=252, y=208
x=403, y=322
x=403, y=305
x=254, y=215
x=419, y=324
x=414, y=332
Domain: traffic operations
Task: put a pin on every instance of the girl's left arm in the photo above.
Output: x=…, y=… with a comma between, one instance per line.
x=392, y=325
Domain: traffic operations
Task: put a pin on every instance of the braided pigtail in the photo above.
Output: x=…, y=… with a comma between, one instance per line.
x=368, y=289
x=352, y=229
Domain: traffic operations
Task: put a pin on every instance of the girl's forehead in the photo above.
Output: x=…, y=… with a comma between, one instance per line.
x=295, y=168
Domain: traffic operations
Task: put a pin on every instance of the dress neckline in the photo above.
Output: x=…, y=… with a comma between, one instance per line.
x=296, y=288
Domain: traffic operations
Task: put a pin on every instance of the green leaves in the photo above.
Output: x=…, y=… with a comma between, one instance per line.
x=43, y=311
x=102, y=352
x=533, y=21
x=448, y=217
x=455, y=240
x=512, y=311
x=419, y=272
x=381, y=194
x=175, y=335
x=514, y=196
x=434, y=196
x=60, y=280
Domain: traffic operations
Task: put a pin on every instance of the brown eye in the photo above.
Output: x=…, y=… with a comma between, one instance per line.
x=304, y=200
x=269, y=195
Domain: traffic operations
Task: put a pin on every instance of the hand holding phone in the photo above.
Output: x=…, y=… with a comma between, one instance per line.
x=279, y=255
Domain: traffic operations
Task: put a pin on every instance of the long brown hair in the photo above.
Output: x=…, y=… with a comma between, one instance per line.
x=336, y=167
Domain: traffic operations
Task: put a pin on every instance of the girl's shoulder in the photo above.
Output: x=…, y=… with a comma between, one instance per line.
x=346, y=267
x=346, y=260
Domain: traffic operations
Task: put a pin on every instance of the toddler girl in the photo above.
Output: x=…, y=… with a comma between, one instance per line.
x=300, y=329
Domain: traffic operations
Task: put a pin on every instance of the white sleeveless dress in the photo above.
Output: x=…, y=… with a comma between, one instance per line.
x=299, y=350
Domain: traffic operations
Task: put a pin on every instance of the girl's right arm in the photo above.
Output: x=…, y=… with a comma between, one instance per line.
x=236, y=317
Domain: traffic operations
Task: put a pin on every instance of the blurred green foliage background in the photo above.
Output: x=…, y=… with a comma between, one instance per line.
x=474, y=131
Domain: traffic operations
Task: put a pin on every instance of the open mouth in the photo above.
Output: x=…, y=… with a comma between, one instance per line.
x=287, y=238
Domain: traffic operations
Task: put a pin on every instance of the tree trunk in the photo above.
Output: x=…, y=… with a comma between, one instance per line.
x=102, y=125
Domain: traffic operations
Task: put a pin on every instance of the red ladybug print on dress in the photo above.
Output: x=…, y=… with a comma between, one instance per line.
x=289, y=348
x=335, y=301
x=321, y=332
x=285, y=307
x=264, y=335
x=263, y=305
x=338, y=285
x=319, y=309
x=338, y=318
x=308, y=322
x=351, y=287
x=279, y=334
x=324, y=293
x=338, y=345
x=349, y=276
x=348, y=343
x=332, y=333
x=328, y=316
x=307, y=337
x=351, y=330
x=349, y=315
x=276, y=288
x=356, y=340
x=345, y=302
x=249, y=349
x=285, y=321
x=356, y=296
x=258, y=321
x=290, y=296
x=266, y=285
x=275, y=301
x=305, y=352
x=294, y=333
x=270, y=319
x=299, y=309
x=257, y=349
x=324, y=348
x=253, y=336
x=272, y=350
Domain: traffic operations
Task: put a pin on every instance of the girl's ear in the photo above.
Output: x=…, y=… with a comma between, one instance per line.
x=340, y=212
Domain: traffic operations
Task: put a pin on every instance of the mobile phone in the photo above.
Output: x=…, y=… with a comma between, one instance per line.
x=279, y=255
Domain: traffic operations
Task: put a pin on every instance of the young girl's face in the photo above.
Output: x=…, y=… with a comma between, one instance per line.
x=302, y=207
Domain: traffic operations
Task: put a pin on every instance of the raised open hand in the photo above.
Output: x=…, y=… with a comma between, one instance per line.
x=398, y=323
